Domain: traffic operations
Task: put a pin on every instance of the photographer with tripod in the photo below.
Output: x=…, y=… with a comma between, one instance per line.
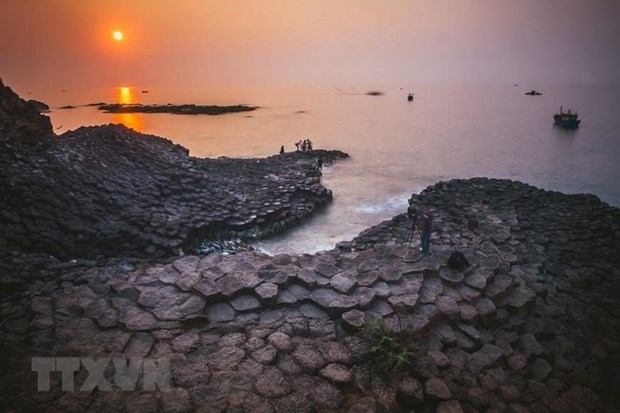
x=427, y=227
x=414, y=226
x=423, y=223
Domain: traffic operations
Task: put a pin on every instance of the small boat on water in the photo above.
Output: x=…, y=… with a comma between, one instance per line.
x=533, y=93
x=566, y=119
x=410, y=97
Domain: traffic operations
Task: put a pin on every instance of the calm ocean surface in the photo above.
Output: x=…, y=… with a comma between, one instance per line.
x=397, y=147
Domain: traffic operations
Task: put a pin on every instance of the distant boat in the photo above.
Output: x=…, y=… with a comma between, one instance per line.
x=533, y=93
x=410, y=97
x=566, y=119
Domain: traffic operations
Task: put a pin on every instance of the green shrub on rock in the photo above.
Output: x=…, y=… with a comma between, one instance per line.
x=390, y=351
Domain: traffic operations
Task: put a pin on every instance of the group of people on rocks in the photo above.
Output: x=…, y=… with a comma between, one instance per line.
x=305, y=145
x=302, y=146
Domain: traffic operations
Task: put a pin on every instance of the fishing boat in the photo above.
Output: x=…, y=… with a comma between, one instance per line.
x=533, y=93
x=566, y=119
x=410, y=97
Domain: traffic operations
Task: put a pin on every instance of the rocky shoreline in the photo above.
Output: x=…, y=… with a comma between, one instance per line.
x=109, y=191
x=531, y=324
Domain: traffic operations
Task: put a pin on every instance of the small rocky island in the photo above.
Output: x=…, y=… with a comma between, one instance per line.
x=188, y=109
x=98, y=229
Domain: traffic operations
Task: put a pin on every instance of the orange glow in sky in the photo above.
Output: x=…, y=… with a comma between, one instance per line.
x=341, y=43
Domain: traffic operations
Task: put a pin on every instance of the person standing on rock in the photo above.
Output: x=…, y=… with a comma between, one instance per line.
x=426, y=225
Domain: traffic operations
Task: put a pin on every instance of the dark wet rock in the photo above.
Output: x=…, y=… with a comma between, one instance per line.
x=245, y=303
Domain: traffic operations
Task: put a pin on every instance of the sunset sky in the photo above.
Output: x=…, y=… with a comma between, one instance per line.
x=70, y=43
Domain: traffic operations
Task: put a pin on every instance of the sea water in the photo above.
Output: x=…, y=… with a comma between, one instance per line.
x=396, y=147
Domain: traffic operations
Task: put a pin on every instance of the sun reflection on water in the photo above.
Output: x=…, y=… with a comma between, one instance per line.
x=135, y=121
x=125, y=95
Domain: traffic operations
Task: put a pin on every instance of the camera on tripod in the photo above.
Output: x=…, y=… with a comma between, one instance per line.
x=413, y=214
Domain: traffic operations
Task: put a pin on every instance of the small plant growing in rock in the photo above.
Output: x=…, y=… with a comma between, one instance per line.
x=389, y=351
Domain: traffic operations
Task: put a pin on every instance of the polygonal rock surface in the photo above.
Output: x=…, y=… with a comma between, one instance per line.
x=336, y=373
x=330, y=300
x=437, y=389
x=354, y=319
x=220, y=312
x=245, y=303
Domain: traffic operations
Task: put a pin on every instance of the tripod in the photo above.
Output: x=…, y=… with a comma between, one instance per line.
x=412, y=230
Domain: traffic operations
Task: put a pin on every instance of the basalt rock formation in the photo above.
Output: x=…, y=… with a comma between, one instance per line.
x=530, y=321
x=532, y=324
x=108, y=190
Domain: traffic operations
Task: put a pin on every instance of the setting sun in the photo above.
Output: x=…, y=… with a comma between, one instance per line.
x=117, y=35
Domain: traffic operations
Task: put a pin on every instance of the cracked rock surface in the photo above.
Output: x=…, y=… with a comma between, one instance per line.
x=530, y=325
